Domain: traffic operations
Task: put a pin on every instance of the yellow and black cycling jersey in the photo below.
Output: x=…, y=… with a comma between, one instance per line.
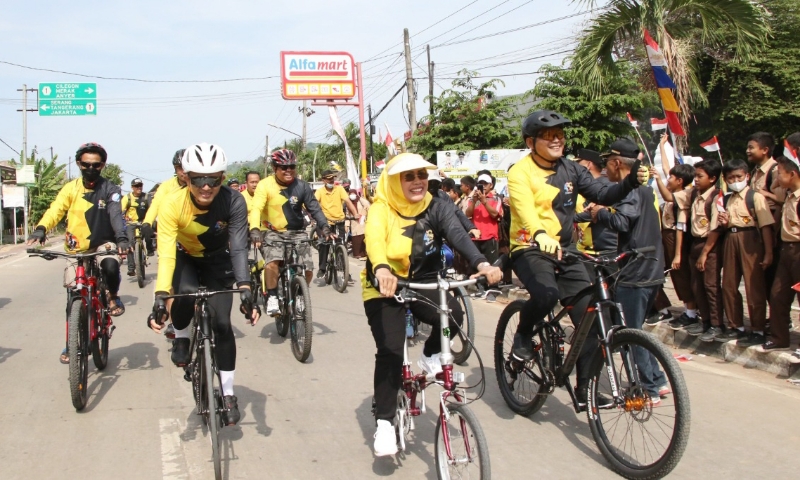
x=220, y=229
x=249, y=200
x=94, y=216
x=164, y=190
x=544, y=199
x=282, y=205
x=134, y=208
x=593, y=237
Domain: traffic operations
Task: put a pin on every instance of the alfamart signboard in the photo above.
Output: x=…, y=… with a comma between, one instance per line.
x=317, y=75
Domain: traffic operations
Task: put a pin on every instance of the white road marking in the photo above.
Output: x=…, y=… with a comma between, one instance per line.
x=173, y=463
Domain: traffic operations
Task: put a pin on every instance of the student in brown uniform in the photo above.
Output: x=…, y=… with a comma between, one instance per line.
x=704, y=260
x=788, y=272
x=674, y=215
x=746, y=252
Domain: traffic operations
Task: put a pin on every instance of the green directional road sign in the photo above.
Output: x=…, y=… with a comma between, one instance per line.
x=67, y=99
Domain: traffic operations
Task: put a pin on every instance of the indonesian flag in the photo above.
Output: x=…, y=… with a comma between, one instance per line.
x=380, y=164
x=711, y=145
x=790, y=152
x=720, y=202
x=657, y=124
x=634, y=123
x=389, y=141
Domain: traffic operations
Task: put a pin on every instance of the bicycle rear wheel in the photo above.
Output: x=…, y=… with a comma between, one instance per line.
x=341, y=270
x=139, y=256
x=213, y=405
x=459, y=345
x=78, y=343
x=646, y=436
x=469, y=452
x=283, y=319
x=301, y=326
x=524, y=385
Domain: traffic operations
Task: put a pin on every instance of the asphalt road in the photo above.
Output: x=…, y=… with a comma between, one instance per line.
x=313, y=420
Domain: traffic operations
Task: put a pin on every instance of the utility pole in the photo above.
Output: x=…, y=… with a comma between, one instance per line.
x=306, y=112
x=51, y=154
x=412, y=104
x=25, y=111
x=69, y=168
x=266, y=158
x=430, y=79
x=371, y=146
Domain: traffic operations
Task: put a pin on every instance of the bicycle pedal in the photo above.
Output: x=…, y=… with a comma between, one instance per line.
x=111, y=330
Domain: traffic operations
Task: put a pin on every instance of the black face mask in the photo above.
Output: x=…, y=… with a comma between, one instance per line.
x=90, y=174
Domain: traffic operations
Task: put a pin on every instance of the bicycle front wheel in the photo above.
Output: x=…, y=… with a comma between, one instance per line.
x=283, y=318
x=341, y=270
x=78, y=344
x=468, y=455
x=645, y=435
x=301, y=327
x=461, y=344
x=213, y=405
x=101, y=340
x=524, y=385
x=139, y=256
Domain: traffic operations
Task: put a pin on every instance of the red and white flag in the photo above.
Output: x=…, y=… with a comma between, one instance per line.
x=657, y=124
x=720, y=202
x=389, y=141
x=634, y=123
x=711, y=145
x=380, y=164
x=790, y=152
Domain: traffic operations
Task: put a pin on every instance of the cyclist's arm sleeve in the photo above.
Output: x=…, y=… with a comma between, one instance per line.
x=115, y=214
x=238, y=239
x=312, y=205
x=57, y=209
x=456, y=237
x=375, y=232
x=625, y=213
x=257, y=205
x=152, y=212
x=523, y=205
x=465, y=222
x=598, y=192
x=167, y=241
x=583, y=217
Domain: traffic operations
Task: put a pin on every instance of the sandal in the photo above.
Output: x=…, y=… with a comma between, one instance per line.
x=115, y=306
x=64, y=357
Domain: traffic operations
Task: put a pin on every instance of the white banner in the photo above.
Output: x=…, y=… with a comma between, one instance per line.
x=26, y=175
x=496, y=161
x=13, y=196
x=352, y=171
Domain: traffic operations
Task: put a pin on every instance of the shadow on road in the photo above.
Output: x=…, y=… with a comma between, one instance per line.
x=129, y=300
x=258, y=409
x=6, y=353
x=4, y=302
x=137, y=356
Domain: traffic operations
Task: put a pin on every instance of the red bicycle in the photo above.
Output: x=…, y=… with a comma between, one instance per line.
x=89, y=325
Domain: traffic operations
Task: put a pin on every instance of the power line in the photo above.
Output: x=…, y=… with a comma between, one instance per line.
x=9, y=146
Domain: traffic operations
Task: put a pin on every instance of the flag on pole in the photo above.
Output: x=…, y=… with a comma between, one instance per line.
x=352, y=171
x=657, y=124
x=664, y=84
x=711, y=145
x=634, y=123
x=790, y=152
x=380, y=164
x=389, y=141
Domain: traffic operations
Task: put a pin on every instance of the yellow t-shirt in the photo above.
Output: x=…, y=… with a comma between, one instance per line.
x=332, y=202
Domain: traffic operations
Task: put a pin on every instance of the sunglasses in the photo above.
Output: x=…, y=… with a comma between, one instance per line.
x=206, y=181
x=410, y=176
x=92, y=165
x=550, y=135
x=286, y=167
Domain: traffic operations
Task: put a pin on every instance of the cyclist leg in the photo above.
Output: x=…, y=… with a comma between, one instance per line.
x=386, y=320
x=636, y=302
x=571, y=280
x=181, y=310
x=304, y=252
x=273, y=256
x=109, y=268
x=537, y=273
x=323, y=254
x=131, y=233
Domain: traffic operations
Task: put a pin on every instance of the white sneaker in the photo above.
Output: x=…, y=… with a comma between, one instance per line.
x=272, y=306
x=432, y=364
x=385, y=439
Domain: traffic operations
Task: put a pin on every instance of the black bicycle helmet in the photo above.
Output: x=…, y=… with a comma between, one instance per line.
x=233, y=181
x=284, y=157
x=541, y=119
x=92, y=147
x=176, y=159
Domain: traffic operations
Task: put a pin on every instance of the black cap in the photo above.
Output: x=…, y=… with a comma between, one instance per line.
x=136, y=181
x=590, y=155
x=329, y=173
x=624, y=147
x=233, y=181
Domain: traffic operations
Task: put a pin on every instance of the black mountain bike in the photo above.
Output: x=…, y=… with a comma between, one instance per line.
x=640, y=435
x=294, y=300
x=202, y=370
x=337, y=270
x=256, y=268
x=139, y=253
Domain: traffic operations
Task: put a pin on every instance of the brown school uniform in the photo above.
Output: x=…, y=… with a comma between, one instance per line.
x=706, y=284
x=681, y=278
x=787, y=274
x=742, y=254
x=758, y=181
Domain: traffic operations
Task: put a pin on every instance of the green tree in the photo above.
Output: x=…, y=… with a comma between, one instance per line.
x=467, y=117
x=596, y=121
x=49, y=180
x=113, y=173
x=684, y=29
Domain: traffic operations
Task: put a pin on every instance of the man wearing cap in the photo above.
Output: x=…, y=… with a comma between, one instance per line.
x=134, y=208
x=234, y=184
x=331, y=198
x=486, y=210
x=593, y=237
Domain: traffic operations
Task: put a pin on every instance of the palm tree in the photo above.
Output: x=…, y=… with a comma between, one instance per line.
x=683, y=29
x=49, y=180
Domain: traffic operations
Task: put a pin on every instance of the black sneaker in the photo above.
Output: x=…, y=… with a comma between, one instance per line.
x=320, y=273
x=602, y=401
x=711, y=334
x=180, y=352
x=731, y=334
x=132, y=271
x=771, y=346
x=751, y=340
x=695, y=329
x=230, y=410
x=682, y=322
x=523, y=347
x=658, y=318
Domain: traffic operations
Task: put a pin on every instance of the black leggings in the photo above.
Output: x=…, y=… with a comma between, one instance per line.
x=190, y=273
x=110, y=269
x=386, y=318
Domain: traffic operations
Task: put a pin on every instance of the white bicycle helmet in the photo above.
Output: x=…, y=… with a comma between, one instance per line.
x=204, y=158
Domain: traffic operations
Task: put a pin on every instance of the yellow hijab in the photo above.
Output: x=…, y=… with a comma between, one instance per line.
x=390, y=191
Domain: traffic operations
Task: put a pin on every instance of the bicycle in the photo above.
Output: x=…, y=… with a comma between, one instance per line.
x=89, y=324
x=139, y=253
x=461, y=449
x=526, y=385
x=202, y=369
x=294, y=301
x=337, y=270
x=256, y=268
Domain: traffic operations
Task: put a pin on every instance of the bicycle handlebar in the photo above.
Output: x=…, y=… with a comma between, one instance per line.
x=451, y=285
x=51, y=255
x=607, y=259
x=204, y=293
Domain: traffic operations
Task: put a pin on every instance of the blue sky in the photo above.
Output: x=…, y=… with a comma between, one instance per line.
x=142, y=124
